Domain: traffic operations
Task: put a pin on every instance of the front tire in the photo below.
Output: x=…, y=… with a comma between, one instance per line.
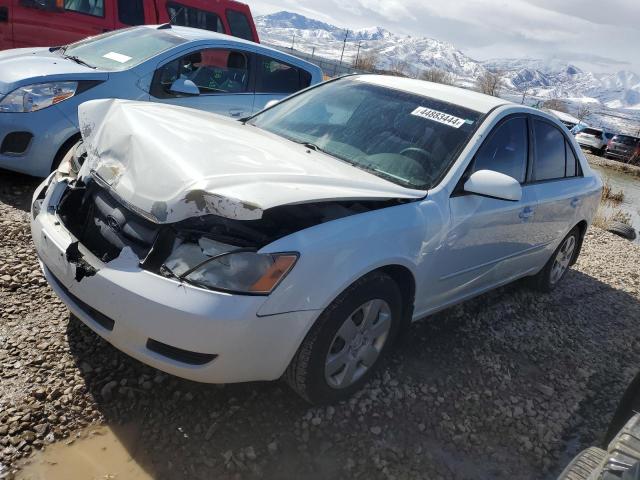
x=348, y=341
x=558, y=265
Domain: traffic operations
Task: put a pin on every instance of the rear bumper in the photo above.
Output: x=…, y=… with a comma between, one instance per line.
x=134, y=309
x=619, y=155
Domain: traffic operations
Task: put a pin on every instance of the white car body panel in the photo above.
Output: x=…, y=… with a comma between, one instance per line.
x=453, y=247
x=221, y=166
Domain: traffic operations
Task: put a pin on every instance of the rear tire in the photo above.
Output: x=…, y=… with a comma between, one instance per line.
x=338, y=342
x=558, y=265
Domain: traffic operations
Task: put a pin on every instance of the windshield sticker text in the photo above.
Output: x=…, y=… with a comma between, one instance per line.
x=117, y=57
x=439, y=117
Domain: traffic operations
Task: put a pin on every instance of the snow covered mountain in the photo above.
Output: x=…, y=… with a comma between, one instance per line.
x=540, y=78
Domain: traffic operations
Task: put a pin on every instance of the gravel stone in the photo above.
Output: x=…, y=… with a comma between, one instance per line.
x=507, y=385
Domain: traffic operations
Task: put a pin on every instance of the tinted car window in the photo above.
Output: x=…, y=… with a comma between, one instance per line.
x=239, y=25
x=278, y=77
x=506, y=150
x=550, y=152
x=131, y=12
x=572, y=162
x=90, y=7
x=212, y=70
x=194, y=17
x=592, y=131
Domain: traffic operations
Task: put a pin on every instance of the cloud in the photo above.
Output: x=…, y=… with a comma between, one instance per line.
x=605, y=35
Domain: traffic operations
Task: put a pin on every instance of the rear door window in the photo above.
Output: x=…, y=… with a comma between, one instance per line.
x=506, y=150
x=278, y=77
x=194, y=17
x=550, y=152
x=213, y=71
x=239, y=25
x=131, y=12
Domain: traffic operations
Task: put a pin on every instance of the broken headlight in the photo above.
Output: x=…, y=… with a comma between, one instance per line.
x=224, y=267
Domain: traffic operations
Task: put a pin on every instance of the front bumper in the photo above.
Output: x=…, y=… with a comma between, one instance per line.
x=143, y=306
x=49, y=128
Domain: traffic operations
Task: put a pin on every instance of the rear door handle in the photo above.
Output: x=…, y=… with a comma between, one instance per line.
x=236, y=112
x=526, y=213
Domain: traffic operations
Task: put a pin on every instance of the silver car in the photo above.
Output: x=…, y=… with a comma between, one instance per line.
x=41, y=88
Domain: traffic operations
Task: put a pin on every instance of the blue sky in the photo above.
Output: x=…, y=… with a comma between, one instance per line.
x=601, y=35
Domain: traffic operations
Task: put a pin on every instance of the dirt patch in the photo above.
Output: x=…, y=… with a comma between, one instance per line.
x=507, y=385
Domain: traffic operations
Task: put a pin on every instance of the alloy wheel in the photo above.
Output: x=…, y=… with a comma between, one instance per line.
x=358, y=343
x=563, y=259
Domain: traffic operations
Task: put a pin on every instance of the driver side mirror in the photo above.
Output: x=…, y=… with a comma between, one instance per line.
x=183, y=86
x=494, y=184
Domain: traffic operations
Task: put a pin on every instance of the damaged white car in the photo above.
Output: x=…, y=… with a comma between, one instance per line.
x=300, y=242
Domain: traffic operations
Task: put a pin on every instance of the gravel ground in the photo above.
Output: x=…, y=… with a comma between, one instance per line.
x=508, y=385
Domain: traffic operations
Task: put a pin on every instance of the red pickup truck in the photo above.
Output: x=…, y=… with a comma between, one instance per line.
x=31, y=23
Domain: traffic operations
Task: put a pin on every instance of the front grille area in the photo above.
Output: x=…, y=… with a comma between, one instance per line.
x=16, y=143
x=104, y=226
x=178, y=354
x=102, y=320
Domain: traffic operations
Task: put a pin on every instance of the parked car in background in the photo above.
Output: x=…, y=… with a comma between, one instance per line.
x=301, y=241
x=623, y=147
x=594, y=139
x=39, y=23
x=41, y=88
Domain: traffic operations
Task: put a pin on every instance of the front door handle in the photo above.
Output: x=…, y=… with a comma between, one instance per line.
x=575, y=202
x=526, y=213
x=236, y=112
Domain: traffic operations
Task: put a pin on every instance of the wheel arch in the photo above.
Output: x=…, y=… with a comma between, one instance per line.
x=407, y=284
x=582, y=226
x=64, y=148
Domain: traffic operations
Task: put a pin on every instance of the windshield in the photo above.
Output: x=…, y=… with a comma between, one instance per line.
x=405, y=138
x=122, y=49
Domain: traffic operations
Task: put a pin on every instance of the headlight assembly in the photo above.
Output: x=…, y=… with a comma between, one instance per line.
x=32, y=98
x=224, y=267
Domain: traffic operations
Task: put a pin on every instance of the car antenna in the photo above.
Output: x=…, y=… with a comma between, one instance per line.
x=167, y=26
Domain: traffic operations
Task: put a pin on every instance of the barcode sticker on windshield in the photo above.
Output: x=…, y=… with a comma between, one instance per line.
x=439, y=117
x=117, y=57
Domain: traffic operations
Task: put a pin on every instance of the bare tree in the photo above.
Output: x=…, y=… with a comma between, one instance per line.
x=398, y=67
x=437, y=75
x=524, y=91
x=583, y=112
x=490, y=83
x=366, y=61
x=556, y=104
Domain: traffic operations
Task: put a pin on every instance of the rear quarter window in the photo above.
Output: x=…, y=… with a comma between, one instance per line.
x=275, y=76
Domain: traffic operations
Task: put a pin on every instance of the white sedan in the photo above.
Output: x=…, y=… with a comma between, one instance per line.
x=298, y=243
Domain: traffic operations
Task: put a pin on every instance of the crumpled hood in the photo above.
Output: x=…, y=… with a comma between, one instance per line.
x=172, y=163
x=24, y=66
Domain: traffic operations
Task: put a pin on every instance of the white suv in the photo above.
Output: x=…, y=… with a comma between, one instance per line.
x=594, y=139
x=300, y=242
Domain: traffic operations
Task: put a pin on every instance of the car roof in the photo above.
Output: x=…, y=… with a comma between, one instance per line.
x=456, y=95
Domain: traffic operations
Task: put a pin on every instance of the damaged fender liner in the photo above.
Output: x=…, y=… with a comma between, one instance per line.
x=83, y=269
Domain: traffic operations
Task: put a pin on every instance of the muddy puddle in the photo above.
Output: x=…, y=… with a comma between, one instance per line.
x=97, y=453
